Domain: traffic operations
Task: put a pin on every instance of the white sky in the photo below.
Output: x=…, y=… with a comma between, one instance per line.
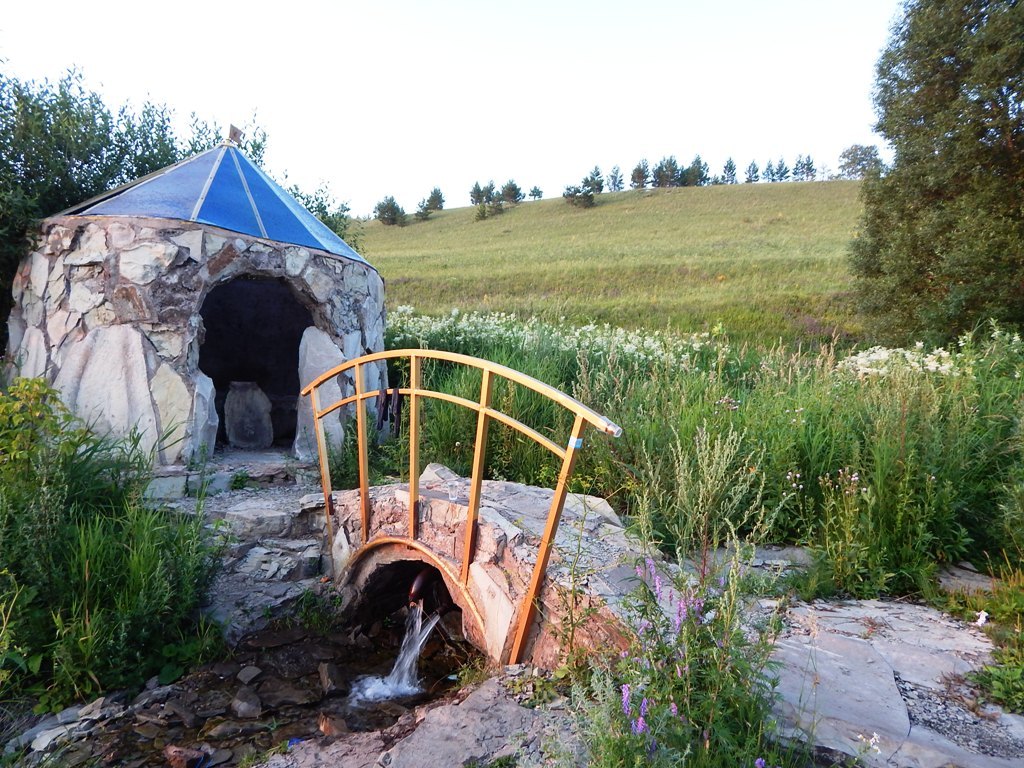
x=394, y=98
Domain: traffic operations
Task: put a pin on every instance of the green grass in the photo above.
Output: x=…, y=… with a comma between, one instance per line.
x=766, y=261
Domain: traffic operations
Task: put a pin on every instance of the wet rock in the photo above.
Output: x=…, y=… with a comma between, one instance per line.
x=332, y=725
x=225, y=668
x=275, y=638
x=212, y=704
x=229, y=729
x=148, y=731
x=247, y=674
x=184, y=757
x=188, y=718
x=275, y=692
x=69, y=715
x=246, y=704
x=331, y=679
x=45, y=739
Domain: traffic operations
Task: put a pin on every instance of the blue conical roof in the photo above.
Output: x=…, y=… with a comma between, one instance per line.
x=223, y=188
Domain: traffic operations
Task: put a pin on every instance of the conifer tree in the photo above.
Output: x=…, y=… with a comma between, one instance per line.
x=615, y=183
x=435, y=200
x=640, y=176
x=781, y=171
x=729, y=172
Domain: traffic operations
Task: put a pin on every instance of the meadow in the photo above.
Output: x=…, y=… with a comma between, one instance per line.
x=765, y=261
x=713, y=325
x=886, y=463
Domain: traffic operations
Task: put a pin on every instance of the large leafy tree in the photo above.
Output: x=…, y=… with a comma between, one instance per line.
x=941, y=244
x=858, y=161
x=59, y=145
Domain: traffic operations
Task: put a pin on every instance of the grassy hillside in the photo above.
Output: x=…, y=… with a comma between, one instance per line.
x=766, y=261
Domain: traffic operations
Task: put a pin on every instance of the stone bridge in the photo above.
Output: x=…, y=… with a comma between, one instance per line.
x=590, y=570
x=489, y=542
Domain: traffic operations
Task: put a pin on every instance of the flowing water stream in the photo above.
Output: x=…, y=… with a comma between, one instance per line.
x=286, y=672
x=404, y=679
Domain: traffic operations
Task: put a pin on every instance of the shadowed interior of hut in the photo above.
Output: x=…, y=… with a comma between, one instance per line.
x=250, y=349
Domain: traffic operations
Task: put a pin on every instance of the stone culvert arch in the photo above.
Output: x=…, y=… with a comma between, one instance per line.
x=108, y=304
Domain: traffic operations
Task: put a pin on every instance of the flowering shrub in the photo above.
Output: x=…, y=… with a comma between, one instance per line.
x=473, y=331
x=879, y=361
x=932, y=434
x=693, y=688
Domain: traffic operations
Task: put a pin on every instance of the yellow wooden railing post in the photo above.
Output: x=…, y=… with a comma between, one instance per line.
x=325, y=469
x=415, y=382
x=528, y=606
x=477, y=479
x=364, y=464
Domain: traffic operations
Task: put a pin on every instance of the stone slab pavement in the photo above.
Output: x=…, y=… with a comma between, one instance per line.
x=881, y=681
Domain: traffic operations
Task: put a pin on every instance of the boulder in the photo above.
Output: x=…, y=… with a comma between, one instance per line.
x=247, y=416
x=317, y=354
x=104, y=380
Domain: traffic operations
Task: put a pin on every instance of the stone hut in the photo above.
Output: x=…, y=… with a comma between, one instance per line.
x=191, y=305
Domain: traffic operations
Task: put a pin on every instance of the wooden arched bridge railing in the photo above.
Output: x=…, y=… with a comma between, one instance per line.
x=485, y=414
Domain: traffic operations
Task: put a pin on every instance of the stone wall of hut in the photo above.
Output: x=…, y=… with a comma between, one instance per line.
x=108, y=310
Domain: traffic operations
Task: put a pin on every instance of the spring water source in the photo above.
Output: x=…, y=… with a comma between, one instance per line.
x=403, y=679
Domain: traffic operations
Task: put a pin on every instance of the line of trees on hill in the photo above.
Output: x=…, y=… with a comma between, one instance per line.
x=669, y=172
x=855, y=162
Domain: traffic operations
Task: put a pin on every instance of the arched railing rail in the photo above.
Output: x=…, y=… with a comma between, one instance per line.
x=490, y=372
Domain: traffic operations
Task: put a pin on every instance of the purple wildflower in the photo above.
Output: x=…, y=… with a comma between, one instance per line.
x=673, y=709
x=639, y=725
x=759, y=763
x=643, y=707
x=626, y=708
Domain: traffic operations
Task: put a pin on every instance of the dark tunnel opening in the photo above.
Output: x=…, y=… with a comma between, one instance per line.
x=253, y=327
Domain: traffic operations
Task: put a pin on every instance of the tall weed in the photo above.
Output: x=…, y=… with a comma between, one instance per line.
x=694, y=688
x=933, y=435
x=105, y=582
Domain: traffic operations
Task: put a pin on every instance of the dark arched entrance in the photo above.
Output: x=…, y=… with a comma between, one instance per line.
x=253, y=327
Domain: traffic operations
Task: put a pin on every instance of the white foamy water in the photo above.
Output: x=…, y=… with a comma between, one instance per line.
x=403, y=679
